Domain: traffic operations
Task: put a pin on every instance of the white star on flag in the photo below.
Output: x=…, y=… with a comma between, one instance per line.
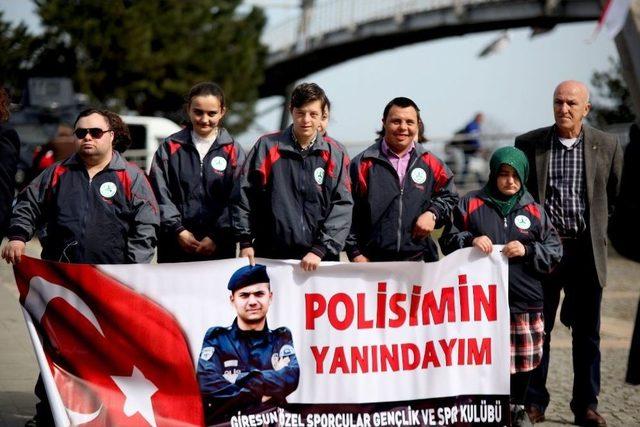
x=138, y=391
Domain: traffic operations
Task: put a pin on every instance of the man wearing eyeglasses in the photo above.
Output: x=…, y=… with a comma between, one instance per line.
x=96, y=208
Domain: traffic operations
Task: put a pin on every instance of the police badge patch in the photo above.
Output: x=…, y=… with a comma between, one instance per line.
x=287, y=351
x=231, y=370
x=206, y=353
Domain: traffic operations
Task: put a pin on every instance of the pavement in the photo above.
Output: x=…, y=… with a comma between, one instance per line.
x=619, y=402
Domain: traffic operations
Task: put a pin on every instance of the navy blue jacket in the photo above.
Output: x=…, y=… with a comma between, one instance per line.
x=237, y=368
x=111, y=219
x=195, y=196
x=385, y=213
x=528, y=223
x=290, y=202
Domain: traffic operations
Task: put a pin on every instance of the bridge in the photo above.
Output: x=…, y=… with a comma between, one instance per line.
x=329, y=32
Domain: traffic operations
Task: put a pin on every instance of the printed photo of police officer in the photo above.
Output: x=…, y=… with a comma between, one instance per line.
x=246, y=367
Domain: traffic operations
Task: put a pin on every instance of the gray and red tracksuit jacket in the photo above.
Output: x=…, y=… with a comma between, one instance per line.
x=110, y=219
x=385, y=212
x=291, y=202
x=195, y=196
x=527, y=223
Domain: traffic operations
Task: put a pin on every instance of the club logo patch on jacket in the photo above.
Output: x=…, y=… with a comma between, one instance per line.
x=219, y=163
x=108, y=190
x=522, y=222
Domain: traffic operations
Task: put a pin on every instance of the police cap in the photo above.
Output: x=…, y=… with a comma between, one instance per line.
x=248, y=275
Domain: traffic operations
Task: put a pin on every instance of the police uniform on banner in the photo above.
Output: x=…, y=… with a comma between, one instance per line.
x=238, y=369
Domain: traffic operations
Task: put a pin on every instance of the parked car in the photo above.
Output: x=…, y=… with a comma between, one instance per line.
x=146, y=135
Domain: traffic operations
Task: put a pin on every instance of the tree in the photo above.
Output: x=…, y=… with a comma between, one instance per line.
x=17, y=46
x=615, y=104
x=147, y=54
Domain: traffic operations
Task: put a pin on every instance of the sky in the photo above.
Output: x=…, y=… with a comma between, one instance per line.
x=444, y=77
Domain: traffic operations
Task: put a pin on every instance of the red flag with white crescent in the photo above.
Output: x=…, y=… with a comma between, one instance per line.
x=116, y=357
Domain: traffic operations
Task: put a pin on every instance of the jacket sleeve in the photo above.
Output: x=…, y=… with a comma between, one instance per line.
x=456, y=234
x=333, y=233
x=225, y=221
x=275, y=383
x=444, y=196
x=170, y=218
x=245, y=193
x=9, y=149
x=532, y=183
x=545, y=253
x=352, y=246
x=218, y=394
x=141, y=241
x=30, y=209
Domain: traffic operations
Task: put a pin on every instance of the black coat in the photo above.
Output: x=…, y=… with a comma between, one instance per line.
x=527, y=223
x=9, y=153
x=385, y=212
x=195, y=195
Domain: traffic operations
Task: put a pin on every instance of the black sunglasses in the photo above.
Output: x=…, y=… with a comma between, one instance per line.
x=95, y=133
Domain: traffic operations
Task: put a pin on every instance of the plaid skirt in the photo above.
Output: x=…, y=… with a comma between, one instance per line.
x=527, y=336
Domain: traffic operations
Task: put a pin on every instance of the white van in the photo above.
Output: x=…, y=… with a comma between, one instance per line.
x=146, y=135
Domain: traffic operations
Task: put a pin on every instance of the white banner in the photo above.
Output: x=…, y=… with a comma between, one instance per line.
x=366, y=337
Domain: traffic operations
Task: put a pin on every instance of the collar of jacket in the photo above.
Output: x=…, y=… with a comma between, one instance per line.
x=375, y=151
x=184, y=137
x=525, y=200
x=117, y=161
x=288, y=143
x=262, y=334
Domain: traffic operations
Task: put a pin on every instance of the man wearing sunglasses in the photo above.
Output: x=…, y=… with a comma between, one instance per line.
x=96, y=208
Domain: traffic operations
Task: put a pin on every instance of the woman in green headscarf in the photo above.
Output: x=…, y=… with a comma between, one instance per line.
x=504, y=213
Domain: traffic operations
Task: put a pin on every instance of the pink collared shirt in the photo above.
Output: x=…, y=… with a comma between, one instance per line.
x=399, y=163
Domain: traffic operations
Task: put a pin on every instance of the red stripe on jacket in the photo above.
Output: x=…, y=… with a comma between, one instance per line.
x=474, y=204
x=533, y=210
x=173, y=147
x=331, y=166
x=125, y=180
x=363, y=176
x=273, y=155
x=231, y=151
x=57, y=173
x=438, y=170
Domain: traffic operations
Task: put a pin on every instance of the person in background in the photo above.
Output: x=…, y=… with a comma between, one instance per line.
x=401, y=192
x=467, y=140
x=472, y=131
x=504, y=213
x=624, y=235
x=9, y=152
x=61, y=146
x=293, y=200
x=575, y=175
x=193, y=174
x=95, y=207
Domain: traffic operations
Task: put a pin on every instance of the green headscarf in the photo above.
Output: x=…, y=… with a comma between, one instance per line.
x=516, y=159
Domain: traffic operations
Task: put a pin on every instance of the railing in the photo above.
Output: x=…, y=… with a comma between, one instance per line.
x=334, y=15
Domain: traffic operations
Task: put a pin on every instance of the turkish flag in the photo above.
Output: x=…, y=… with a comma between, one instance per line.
x=117, y=358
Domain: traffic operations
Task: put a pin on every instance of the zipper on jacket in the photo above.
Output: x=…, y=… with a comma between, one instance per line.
x=399, y=234
x=401, y=185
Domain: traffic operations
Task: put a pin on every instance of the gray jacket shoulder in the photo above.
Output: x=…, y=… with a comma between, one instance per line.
x=600, y=136
x=533, y=135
